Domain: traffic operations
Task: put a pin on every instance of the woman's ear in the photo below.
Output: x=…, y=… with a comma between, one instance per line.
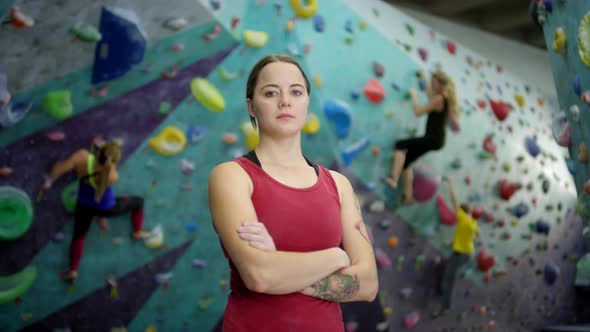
x=250, y=107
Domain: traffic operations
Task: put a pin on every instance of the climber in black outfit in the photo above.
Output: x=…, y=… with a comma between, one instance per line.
x=441, y=105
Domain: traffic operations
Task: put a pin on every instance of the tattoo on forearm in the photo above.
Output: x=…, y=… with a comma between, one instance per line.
x=336, y=287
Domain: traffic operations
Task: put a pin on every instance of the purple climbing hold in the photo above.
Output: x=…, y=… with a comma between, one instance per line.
x=378, y=69
x=532, y=147
x=548, y=4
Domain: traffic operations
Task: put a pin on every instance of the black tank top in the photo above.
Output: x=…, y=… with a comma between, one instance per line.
x=436, y=123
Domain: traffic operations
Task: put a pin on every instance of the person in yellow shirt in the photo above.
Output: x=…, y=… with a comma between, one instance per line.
x=465, y=232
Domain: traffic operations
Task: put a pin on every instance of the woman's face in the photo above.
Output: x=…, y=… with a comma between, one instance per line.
x=436, y=86
x=280, y=100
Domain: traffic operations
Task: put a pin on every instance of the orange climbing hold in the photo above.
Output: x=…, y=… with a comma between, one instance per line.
x=392, y=242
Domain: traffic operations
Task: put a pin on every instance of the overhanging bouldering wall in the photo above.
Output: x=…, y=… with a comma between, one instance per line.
x=566, y=26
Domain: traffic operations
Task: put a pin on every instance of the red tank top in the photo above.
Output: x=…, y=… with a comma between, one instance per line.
x=298, y=219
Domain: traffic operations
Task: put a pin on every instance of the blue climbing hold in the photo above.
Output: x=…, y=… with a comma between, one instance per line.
x=542, y=227
x=122, y=46
x=340, y=115
x=318, y=23
x=520, y=210
x=576, y=85
x=550, y=273
x=195, y=133
x=354, y=150
x=355, y=94
x=532, y=147
x=571, y=166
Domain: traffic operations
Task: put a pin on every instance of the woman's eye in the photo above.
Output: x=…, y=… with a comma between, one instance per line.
x=297, y=92
x=269, y=93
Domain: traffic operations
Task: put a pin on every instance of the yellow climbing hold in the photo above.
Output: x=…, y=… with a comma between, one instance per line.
x=584, y=40
x=318, y=81
x=290, y=25
x=251, y=136
x=207, y=94
x=362, y=25
x=169, y=142
x=255, y=39
x=312, y=124
x=151, y=328
x=519, y=100
x=559, y=41
x=305, y=11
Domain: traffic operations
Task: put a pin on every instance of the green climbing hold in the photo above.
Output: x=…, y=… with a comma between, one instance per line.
x=410, y=29
x=85, y=32
x=545, y=186
x=16, y=213
x=13, y=286
x=506, y=167
x=376, y=12
x=164, y=107
x=69, y=197
x=58, y=104
x=483, y=155
x=204, y=303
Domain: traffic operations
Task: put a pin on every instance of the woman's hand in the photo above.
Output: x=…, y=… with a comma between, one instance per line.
x=256, y=235
x=47, y=183
x=413, y=93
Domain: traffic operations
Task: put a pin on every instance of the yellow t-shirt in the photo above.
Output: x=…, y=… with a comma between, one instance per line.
x=464, y=233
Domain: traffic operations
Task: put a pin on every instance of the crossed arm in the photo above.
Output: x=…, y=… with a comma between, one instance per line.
x=332, y=274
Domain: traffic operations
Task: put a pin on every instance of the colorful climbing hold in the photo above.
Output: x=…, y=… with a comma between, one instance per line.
x=374, y=91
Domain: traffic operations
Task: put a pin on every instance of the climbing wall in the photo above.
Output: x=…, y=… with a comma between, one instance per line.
x=174, y=133
x=567, y=31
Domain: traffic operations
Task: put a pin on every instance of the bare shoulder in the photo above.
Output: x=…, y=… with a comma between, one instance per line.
x=228, y=173
x=342, y=182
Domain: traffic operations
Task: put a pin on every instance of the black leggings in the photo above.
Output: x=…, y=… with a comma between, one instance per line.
x=84, y=214
x=416, y=147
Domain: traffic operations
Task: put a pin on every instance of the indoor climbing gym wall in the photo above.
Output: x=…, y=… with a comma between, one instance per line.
x=168, y=80
x=566, y=25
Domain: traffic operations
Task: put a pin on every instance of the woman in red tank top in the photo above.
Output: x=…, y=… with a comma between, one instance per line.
x=292, y=231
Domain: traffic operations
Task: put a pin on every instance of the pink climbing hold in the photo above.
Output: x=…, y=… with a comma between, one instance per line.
x=411, y=320
x=507, y=189
x=213, y=34
x=565, y=138
x=56, y=135
x=488, y=145
x=447, y=216
x=374, y=91
x=425, y=185
x=501, y=109
x=382, y=258
x=423, y=53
